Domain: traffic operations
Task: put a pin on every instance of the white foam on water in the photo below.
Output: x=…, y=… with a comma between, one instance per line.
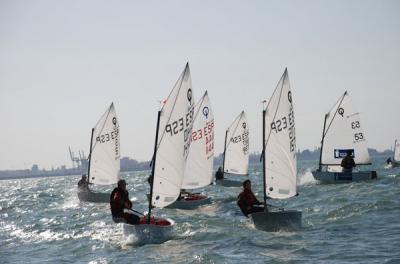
x=99, y=261
x=307, y=178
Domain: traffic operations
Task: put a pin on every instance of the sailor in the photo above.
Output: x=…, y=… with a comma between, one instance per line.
x=348, y=162
x=82, y=183
x=247, y=201
x=219, y=175
x=119, y=200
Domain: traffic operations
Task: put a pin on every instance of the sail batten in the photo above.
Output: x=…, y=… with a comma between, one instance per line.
x=105, y=150
x=236, y=157
x=280, y=169
x=343, y=134
x=175, y=128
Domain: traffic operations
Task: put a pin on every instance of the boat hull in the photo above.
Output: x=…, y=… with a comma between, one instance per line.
x=150, y=233
x=343, y=177
x=229, y=183
x=273, y=221
x=93, y=197
x=188, y=204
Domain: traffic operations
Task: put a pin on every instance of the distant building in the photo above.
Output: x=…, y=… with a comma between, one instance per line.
x=35, y=168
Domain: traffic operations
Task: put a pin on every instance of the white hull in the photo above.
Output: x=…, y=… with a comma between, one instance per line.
x=189, y=204
x=395, y=164
x=150, y=233
x=274, y=221
x=229, y=183
x=93, y=197
x=343, y=177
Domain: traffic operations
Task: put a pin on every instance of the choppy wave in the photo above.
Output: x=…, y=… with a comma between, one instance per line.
x=42, y=220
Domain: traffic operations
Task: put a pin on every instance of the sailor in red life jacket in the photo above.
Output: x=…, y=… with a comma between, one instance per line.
x=247, y=200
x=119, y=200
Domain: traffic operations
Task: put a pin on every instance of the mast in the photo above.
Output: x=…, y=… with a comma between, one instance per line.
x=153, y=168
x=394, y=150
x=322, y=144
x=223, y=162
x=263, y=159
x=90, y=156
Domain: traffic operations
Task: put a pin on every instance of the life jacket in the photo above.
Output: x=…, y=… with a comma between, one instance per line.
x=219, y=175
x=246, y=199
x=348, y=163
x=118, y=198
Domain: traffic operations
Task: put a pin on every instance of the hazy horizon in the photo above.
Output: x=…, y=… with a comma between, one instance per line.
x=62, y=63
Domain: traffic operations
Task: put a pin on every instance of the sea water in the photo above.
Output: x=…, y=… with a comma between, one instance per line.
x=42, y=221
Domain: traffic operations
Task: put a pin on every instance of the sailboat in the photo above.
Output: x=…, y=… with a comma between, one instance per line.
x=104, y=157
x=172, y=143
x=396, y=155
x=236, y=151
x=199, y=164
x=279, y=160
x=342, y=134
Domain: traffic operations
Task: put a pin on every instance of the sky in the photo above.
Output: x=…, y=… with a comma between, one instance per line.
x=63, y=62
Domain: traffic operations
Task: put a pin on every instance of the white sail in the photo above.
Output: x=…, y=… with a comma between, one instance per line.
x=343, y=132
x=236, y=160
x=280, y=143
x=174, y=132
x=199, y=164
x=396, y=154
x=105, y=156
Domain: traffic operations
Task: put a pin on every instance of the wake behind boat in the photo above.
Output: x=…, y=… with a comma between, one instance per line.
x=343, y=135
x=279, y=160
x=236, y=152
x=172, y=142
x=104, y=158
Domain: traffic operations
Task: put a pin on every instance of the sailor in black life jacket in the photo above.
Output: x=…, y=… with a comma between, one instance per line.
x=348, y=163
x=247, y=201
x=219, y=175
x=83, y=184
x=119, y=200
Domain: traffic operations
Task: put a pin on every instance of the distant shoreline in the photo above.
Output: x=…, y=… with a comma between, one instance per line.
x=128, y=164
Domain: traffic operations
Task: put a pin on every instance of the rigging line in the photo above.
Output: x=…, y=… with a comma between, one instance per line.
x=340, y=103
x=182, y=77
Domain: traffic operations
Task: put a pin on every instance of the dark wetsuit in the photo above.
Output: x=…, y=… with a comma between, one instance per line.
x=348, y=164
x=219, y=175
x=119, y=199
x=246, y=201
x=82, y=184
